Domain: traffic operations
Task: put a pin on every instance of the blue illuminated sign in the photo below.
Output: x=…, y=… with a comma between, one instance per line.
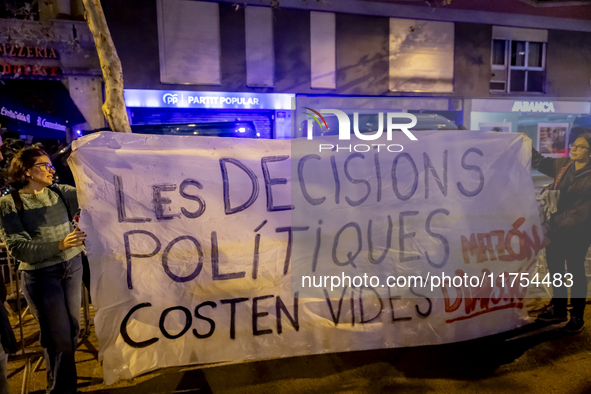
x=26, y=116
x=215, y=100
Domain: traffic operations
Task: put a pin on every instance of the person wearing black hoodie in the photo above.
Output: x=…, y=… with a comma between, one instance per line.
x=569, y=232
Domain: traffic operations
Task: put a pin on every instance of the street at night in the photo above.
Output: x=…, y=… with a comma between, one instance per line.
x=293, y=196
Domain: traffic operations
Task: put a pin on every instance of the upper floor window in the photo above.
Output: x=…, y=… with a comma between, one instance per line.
x=518, y=60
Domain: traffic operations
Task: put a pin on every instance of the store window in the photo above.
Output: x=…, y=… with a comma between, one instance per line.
x=518, y=60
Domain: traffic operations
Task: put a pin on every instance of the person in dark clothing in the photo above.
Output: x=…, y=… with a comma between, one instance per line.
x=569, y=231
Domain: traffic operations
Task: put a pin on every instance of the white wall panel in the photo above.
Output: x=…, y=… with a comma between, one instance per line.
x=323, y=50
x=189, y=42
x=260, y=54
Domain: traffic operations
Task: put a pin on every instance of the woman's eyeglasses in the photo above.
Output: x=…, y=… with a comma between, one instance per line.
x=47, y=166
x=577, y=147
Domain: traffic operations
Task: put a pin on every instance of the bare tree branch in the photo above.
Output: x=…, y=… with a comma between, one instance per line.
x=114, y=106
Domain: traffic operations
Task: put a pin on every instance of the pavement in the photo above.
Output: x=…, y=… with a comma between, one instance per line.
x=534, y=358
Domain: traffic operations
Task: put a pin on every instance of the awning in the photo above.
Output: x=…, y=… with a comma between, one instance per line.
x=41, y=107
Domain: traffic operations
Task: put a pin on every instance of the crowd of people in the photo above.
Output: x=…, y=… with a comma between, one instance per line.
x=37, y=228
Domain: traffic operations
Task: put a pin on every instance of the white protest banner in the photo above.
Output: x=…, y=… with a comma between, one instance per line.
x=198, y=244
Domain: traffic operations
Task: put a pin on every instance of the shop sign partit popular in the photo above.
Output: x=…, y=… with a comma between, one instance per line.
x=218, y=250
x=222, y=100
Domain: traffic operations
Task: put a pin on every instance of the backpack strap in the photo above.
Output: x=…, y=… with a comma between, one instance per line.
x=560, y=175
x=54, y=188
x=18, y=203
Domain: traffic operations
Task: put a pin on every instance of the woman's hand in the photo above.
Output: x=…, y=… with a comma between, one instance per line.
x=72, y=240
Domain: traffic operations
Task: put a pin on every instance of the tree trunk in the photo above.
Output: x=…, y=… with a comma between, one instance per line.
x=114, y=106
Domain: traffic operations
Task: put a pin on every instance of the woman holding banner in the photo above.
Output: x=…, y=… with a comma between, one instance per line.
x=569, y=231
x=38, y=233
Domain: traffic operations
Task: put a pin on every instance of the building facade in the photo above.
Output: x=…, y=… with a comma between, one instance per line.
x=514, y=68
x=50, y=78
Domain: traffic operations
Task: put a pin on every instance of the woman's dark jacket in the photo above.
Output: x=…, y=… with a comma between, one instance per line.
x=573, y=216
